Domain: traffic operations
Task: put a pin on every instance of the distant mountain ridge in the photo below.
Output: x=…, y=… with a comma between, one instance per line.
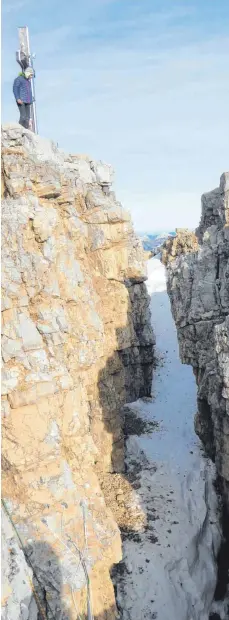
x=151, y=241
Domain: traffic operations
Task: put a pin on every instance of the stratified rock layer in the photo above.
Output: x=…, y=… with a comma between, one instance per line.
x=76, y=345
x=198, y=286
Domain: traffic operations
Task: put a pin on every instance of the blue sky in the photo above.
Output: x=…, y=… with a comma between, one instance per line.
x=141, y=84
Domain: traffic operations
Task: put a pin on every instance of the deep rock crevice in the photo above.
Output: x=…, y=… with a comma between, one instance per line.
x=78, y=345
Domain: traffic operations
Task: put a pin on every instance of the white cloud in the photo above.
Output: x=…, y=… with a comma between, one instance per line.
x=13, y=6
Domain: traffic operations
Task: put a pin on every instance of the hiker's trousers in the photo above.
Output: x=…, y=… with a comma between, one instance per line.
x=24, y=109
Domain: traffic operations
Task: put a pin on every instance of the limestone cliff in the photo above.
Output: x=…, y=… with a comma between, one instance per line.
x=198, y=286
x=76, y=345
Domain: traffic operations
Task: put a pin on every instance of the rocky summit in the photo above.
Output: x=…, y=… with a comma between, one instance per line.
x=76, y=344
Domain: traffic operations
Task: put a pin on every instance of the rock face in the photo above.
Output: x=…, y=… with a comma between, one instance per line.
x=198, y=286
x=76, y=345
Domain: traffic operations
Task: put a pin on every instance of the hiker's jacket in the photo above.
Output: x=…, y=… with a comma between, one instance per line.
x=22, y=89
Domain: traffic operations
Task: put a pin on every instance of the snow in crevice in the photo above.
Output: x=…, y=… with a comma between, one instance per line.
x=171, y=572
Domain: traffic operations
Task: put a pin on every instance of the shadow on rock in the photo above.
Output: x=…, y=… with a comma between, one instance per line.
x=47, y=582
x=127, y=375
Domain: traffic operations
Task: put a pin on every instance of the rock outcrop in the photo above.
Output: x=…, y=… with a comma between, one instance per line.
x=198, y=286
x=76, y=345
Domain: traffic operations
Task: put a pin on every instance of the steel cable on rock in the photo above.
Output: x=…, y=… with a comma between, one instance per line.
x=82, y=561
x=22, y=547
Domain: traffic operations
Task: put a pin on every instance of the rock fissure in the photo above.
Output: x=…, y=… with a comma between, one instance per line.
x=79, y=462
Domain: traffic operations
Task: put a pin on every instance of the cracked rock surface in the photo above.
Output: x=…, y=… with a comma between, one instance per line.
x=77, y=344
x=198, y=286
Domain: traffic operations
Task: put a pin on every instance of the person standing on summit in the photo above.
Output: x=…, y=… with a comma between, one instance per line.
x=23, y=94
